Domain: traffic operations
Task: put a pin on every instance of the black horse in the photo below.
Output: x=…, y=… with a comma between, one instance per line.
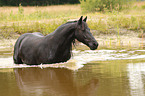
x=35, y=48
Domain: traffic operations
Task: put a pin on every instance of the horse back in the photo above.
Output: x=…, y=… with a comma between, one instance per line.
x=18, y=44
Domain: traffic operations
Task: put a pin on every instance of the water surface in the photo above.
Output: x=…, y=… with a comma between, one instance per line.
x=88, y=73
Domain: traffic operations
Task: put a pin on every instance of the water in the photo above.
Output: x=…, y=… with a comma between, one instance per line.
x=88, y=73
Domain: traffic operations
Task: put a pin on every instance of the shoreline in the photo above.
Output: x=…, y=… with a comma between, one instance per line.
x=128, y=40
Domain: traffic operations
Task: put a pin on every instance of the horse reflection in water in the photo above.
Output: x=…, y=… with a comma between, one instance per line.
x=53, y=82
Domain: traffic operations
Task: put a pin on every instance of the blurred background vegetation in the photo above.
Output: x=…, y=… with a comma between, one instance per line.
x=36, y=2
x=104, y=16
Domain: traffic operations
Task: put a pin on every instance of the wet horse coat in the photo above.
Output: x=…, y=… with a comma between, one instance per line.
x=34, y=48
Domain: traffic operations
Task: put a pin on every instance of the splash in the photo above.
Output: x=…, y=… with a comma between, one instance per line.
x=80, y=58
x=84, y=57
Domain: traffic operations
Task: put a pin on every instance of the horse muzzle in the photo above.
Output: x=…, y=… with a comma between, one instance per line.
x=93, y=45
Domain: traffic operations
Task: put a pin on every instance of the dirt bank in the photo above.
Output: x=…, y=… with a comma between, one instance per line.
x=123, y=40
x=129, y=41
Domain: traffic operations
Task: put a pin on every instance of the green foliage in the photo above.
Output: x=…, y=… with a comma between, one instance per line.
x=143, y=6
x=39, y=13
x=101, y=5
x=20, y=9
x=25, y=27
x=102, y=24
x=112, y=23
x=88, y=5
x=5, y=32
x=44, y=28
x=47, y=21
x=99, y=25
x=18, y=22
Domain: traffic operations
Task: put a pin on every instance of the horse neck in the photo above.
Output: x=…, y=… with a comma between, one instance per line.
x=65, y=35
x=62, y=41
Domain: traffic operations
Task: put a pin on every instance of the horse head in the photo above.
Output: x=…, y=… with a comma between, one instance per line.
x=84, y=35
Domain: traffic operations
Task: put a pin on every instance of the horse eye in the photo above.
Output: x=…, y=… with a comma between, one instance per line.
x=85, y=36
x=88, y=29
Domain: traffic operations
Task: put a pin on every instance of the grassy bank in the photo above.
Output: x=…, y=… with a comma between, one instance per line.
x=31, y=19
x=19, y=20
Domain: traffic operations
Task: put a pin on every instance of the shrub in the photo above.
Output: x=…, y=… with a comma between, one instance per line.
x=88, y=5
x=143, y=6
x=99, y=24
x=101, y=5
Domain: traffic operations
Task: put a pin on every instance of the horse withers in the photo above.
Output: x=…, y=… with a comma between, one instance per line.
x=56, y=47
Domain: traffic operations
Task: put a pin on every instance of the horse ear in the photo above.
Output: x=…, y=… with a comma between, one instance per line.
x=85, y=19
x=80, y=20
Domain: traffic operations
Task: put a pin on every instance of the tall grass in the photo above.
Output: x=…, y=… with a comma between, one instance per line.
x=46, y=19
x=104, y=5
x=25, y=27
x=108, y=22
x=39, y=13
x=31, y=19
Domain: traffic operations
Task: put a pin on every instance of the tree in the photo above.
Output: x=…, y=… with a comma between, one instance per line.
x=36, y=2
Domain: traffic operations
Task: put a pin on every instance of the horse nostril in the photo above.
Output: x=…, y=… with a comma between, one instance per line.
x=95, y=44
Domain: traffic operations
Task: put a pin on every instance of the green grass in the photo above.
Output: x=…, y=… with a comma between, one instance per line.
x=46, y=19
x=39, y=13
x=103, y=24
x=25, y=27
x=21, y=20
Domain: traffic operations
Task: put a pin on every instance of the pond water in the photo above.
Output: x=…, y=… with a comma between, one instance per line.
x=88, y=73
